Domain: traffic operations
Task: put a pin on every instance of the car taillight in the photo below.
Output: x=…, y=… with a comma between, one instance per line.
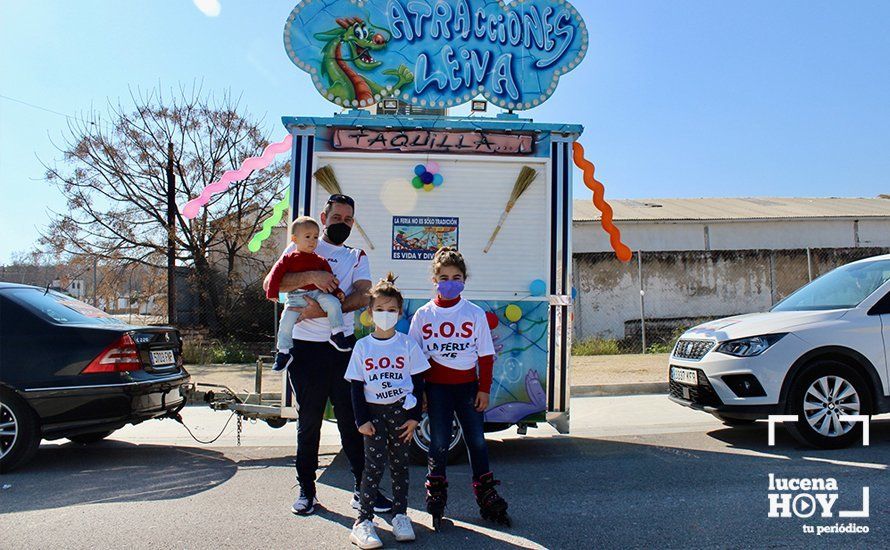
x=120, y=356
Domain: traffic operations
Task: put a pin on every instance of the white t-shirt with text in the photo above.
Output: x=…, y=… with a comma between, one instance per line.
x=386, y=368
x=349, y=265
x=455, y=336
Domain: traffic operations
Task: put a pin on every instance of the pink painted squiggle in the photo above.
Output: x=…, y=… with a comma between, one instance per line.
x=193, y=207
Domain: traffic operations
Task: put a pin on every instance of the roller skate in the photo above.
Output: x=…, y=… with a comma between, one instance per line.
x=436, y=498
x=492, y=506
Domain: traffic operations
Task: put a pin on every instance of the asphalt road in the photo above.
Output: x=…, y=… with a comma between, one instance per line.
x=635, y=472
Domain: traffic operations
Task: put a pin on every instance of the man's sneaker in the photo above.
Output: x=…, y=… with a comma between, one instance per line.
x=282, y=361
x=364, y=535
x=401, y=528
x=304, y=505
x=382, y=505
x=340, y=342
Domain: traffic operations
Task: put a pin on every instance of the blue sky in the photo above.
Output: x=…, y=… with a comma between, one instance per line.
x=687, y=98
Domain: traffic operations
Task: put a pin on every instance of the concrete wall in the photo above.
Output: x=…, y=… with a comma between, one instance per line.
x=685, y=287
x=736, y=235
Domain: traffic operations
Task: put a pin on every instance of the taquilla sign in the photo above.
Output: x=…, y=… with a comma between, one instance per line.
x=436, y=53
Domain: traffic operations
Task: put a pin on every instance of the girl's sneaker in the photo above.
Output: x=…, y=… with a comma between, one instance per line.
x=382, y=504
x=364, y=535
x=401, y=528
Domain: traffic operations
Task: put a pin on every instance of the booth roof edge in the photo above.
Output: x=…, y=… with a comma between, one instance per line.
x=364, y=118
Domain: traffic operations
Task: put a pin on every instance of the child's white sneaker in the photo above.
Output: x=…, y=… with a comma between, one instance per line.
x=364, y=535
x=401, y=528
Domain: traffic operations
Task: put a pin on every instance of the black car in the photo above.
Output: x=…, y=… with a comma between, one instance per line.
x=70, y=370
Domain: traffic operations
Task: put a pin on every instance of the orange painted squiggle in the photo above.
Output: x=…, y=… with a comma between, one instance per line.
x=599, y=200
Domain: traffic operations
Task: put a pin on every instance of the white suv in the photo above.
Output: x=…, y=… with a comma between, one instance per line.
x=819, y=354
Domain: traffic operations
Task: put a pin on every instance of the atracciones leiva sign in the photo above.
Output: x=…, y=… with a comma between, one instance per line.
x=436, y=53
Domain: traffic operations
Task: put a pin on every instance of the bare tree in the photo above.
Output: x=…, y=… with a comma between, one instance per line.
x=113, y=178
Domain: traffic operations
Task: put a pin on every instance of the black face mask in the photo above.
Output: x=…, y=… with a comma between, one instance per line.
x=337, y=233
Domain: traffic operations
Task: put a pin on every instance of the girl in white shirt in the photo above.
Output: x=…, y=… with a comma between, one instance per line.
x=387, y=384
x=455, y=336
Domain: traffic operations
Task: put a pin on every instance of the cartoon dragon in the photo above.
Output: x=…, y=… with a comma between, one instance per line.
x=344, y=80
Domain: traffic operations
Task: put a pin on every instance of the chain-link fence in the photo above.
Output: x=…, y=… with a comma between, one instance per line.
x=228, y=320
x=637, y=307
x=643, y=306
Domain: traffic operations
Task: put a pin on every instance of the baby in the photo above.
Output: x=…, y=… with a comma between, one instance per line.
x=304, y=234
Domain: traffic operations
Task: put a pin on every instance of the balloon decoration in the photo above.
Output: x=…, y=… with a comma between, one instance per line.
x=492, y=319
x=427, y=177
x=622, y=251
x=191, y=209
x=277, y=212
x=513, y=313
x=537, y=287
x=366, y=319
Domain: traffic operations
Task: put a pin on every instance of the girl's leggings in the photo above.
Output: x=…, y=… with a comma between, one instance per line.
x=382, y=446
x=443, y=402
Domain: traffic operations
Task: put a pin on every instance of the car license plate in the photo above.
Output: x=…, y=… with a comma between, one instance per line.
x=684, y=376
x=164, y=357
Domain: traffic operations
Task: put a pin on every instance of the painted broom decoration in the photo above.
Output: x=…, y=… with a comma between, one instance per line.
x=526, y=177
x=326, y=178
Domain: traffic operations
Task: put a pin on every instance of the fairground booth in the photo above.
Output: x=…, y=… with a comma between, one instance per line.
x=499, y=188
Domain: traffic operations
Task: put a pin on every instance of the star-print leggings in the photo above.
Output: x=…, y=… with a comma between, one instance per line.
x=385, y=444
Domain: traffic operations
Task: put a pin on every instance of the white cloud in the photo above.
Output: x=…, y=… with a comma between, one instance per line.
x=210, y=8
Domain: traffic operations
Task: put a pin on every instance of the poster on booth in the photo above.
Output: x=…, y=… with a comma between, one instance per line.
x=419, y=237
x=436, y=53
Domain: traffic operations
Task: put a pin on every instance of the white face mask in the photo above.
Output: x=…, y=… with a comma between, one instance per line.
x=385, y=320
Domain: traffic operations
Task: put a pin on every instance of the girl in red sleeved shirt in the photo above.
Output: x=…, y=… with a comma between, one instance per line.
x=454, y=335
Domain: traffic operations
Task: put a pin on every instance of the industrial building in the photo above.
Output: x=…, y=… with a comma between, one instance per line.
x=703, y=258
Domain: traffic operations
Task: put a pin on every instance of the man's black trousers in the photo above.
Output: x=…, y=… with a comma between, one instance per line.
x=316, y=374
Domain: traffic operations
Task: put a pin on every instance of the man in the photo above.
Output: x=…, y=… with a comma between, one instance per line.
x=317, y=368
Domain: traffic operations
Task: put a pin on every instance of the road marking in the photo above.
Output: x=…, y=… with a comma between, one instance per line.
x=864, y=419
x=771, y=423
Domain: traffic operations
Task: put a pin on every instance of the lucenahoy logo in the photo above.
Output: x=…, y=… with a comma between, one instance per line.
x=436, y=53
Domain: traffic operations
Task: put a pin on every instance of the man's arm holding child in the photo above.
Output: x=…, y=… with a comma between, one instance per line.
x=295, y=280
x=292, y=281
x=355, y=301
x=359, y=297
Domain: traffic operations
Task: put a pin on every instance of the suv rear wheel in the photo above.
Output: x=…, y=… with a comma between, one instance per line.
x=823, y=392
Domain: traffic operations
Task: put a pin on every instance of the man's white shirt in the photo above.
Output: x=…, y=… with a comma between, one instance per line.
x=349, y=265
